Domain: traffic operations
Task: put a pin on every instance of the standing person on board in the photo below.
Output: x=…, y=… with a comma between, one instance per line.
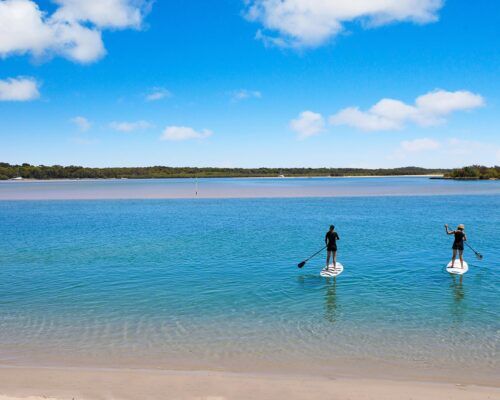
x=458, y=243
x=331, y=238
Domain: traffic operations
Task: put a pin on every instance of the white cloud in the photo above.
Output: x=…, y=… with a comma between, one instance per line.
x=308, y=124
x=366, y=121
x=72, y=31
x=158, y=94
x=82, y=123
x=244, y=94
x=130, y=126
x=441, y=102
x=78, y=43
x=418, y=145
x=389, y=114
x=19, y=89
x=178, y=133
x=117, y=14
x=393, y=110
x=310, y=23
x=23, y=28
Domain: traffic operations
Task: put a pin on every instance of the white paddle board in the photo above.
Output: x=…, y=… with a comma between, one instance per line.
x=332, y=272
x=457, y=270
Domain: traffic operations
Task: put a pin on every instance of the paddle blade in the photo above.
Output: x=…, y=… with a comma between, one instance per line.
x=479, y=256
x=300, y=265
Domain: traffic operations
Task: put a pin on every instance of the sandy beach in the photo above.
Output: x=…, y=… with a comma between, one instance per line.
x=95, y=384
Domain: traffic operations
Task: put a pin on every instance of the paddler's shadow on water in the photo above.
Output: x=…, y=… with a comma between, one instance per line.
x=331, y=304
x=458, y=292
x=329, y=286
x=310, y=280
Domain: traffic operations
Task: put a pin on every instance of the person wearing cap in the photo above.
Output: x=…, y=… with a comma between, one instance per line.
x=458, y=243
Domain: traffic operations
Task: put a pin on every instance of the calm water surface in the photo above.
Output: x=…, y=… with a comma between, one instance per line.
x=209, y=281
x=239, y=188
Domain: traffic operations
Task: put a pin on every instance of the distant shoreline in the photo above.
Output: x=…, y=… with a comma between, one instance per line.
x=460, y=178
x=431, y=176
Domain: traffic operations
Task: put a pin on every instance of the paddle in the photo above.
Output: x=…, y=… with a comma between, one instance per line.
x=300, y=265
x=478, y=255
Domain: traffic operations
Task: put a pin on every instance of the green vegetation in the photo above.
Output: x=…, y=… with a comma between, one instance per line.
x=27, y=171
x=475, y=172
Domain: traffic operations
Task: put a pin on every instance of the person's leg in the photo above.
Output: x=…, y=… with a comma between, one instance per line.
x=328, y=252
x=453, y=258
x=461, y=255
x=334, y=259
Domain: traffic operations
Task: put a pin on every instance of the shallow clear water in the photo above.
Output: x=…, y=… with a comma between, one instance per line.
x=153, y=282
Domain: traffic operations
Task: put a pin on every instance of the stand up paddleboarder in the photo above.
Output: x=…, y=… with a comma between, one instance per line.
x=331, y=238
x=458, y=243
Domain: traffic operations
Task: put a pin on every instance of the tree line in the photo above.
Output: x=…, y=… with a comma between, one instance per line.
x=28, y=171
x=475, y=172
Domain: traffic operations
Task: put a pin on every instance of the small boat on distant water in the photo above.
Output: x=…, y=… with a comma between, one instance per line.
x=17, y=178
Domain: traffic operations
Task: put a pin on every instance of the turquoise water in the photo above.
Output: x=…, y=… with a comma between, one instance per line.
x=211, y=281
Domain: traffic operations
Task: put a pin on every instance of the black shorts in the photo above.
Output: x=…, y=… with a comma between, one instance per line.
x=457, y=246
x=332, y=248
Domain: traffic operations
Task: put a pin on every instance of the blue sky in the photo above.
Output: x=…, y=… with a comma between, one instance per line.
x=246, y=84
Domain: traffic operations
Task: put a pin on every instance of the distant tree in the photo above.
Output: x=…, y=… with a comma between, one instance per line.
x=475, y=172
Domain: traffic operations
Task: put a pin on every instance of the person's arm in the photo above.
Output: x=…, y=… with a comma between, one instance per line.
x=448, y=232
x=326, y=239
x=337, y=236
x=465, y=237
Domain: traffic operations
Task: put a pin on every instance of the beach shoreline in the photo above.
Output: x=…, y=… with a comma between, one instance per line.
x=92, y=384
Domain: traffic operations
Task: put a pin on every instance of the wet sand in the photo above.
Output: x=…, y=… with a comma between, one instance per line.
x=90, y=384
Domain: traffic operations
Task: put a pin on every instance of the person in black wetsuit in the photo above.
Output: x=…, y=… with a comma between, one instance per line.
x=331, y=238
x=458, y=243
